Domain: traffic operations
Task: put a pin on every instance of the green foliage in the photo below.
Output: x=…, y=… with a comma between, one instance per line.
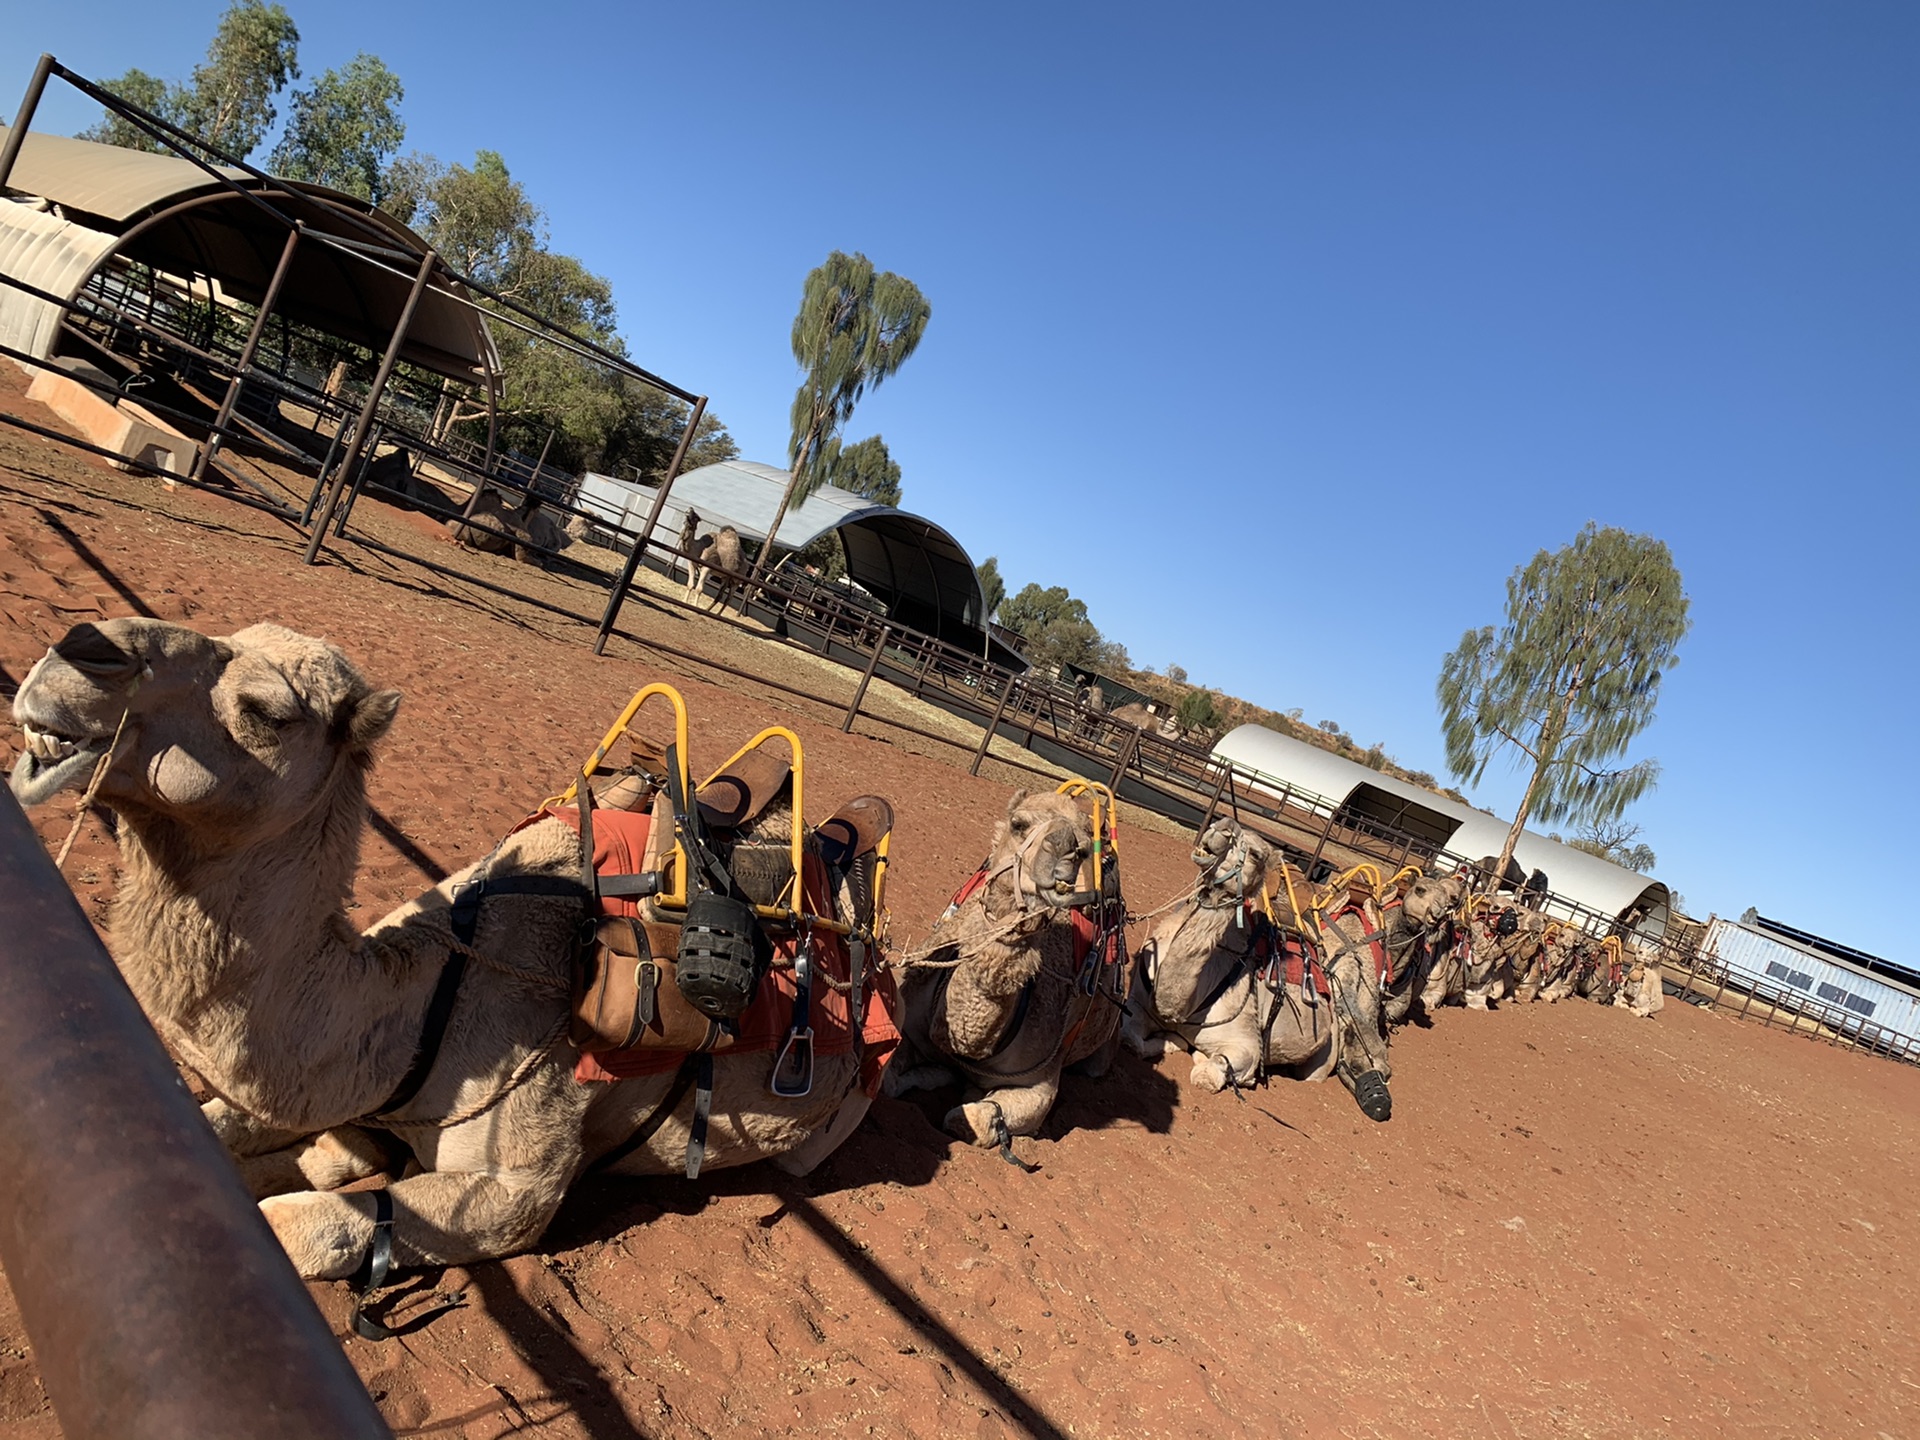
x=1617, y=840
x=150, y=93
x=992, y=588
x=1571, y=677
x=229, y=100
x=856, y=326
x=1054, y=626
x=343, y=128
x=1197, y=711
x=865, y=468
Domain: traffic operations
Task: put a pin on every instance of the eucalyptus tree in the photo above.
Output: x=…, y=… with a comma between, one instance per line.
x=229, y=99
x=856, y=327
x=1570, y=678
x=343, y=129
x=993, y=588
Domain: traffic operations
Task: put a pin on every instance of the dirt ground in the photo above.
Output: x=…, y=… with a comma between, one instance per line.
x=1577, y=1223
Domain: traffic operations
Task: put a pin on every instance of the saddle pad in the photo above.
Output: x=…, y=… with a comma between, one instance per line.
x=619, y=842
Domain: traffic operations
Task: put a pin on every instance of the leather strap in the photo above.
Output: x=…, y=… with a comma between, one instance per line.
x=464, y=920
x=702, y=1108
x=648, y=1128
x=379, y=1263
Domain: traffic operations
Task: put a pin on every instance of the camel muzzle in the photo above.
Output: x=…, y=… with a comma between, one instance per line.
x=1370, y=1090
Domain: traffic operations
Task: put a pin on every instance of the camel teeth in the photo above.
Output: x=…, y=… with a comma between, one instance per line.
x=43, y=746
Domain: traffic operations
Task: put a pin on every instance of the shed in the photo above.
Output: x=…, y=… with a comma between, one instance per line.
x=921, y=573
x=79, y=206
x=1765, y=957
x=1442, y=826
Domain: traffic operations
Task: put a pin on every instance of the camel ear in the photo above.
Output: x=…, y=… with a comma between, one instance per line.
x=1014, y=803
x=372, y=716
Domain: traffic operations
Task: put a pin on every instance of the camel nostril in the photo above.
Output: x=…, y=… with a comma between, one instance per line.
x=91, y=651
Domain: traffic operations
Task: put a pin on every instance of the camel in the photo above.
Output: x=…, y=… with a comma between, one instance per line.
x=689, y=530
x=1214, y=978
x=1418, y=923
x=1641, y=988
x=1005, y=996
x=239, y=781
x=512, y=529
x=719, y=554
x=1136, y=714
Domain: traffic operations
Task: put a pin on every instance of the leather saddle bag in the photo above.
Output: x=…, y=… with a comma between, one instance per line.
x=626, y=993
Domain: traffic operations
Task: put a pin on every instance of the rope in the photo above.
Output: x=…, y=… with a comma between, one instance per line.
x=93, y=789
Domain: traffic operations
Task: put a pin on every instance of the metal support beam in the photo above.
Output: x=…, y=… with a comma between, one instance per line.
x=1000, y=710
x=866, y=678
x=159, y=1304
x=247, y=351
x=625, y=582
x=23, y=118
x=360, y=426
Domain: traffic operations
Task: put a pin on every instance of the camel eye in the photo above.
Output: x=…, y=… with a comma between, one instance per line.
x=1020, y=825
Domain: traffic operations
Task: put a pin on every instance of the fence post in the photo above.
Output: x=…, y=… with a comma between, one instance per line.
x=23, y=118
x=387, y=361
x=204, y=460
x=986, y=739
x=639, y=551
x=866, y=678
x=156, y=1299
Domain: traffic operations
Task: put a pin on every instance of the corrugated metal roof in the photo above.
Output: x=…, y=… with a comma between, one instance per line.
x=47, y=251
x=1772, y=966
x=105, y=180
x=168, y=213
x=1459, y=829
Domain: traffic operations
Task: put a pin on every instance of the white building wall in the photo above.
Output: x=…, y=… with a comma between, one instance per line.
x=1774, y=969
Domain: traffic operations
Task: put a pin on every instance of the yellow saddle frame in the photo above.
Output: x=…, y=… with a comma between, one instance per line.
x=672, y=894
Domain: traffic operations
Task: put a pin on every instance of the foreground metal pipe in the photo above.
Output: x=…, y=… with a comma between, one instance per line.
x=159, y=1305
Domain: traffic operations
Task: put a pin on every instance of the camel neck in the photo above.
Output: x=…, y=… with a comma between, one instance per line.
x=240, y=955
x=1192, y=958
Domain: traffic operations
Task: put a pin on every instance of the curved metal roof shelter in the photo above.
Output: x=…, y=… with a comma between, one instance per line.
x=98, y=201
x=1445, y=824
x=922, y=574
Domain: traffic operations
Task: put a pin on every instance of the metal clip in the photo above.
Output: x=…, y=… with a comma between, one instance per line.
x=793, y=1067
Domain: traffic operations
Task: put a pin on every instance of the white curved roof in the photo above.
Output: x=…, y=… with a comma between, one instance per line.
x=1462, y=831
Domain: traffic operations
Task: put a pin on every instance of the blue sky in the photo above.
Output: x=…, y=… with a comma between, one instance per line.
x=1281, y=333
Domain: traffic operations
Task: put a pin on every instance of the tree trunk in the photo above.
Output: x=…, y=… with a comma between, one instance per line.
x=1549, y=752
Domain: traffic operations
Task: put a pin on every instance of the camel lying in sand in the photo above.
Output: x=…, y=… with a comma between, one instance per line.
x=240, y=785
x=515, y=528
x=1218, y=979
x=1007, y=996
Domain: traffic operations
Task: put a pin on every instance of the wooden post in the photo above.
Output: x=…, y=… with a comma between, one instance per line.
x=873, y=663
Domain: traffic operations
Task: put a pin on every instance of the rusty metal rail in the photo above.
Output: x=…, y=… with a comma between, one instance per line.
x=159, y=1305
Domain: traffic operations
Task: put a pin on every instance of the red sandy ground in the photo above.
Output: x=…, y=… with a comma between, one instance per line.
x=1577, y=1223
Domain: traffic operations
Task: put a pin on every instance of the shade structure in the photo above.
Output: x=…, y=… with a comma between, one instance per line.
x=1441, y=824
x=79, y=204
x=922, y=575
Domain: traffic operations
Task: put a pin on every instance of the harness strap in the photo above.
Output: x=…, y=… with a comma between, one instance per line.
x=648, y=1128
x=379, y=1263
x=702, y=1108
x=464, y=918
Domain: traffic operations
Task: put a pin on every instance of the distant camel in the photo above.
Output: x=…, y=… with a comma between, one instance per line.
x=718, y=555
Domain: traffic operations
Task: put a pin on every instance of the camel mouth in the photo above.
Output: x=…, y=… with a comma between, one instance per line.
x=51, y=763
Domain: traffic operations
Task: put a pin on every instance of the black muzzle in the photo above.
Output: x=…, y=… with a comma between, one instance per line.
x=1370, y=1089
x=723, y=955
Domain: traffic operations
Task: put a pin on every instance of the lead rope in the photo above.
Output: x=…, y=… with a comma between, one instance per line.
x=93, y=789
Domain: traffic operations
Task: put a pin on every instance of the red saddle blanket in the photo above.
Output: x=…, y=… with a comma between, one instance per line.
x=619, y=848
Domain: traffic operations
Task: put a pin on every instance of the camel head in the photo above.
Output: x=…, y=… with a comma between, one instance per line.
x=1044, y=842
x=1430, y=900
x=236, y=737
x=1233, y=863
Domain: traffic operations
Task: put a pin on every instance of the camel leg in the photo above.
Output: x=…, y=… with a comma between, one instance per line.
x=905, y=1079
x=1022, y=1110
x=326, y=1162
x=811, y=1153
x=1096, y=1065
x=440, y=1218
